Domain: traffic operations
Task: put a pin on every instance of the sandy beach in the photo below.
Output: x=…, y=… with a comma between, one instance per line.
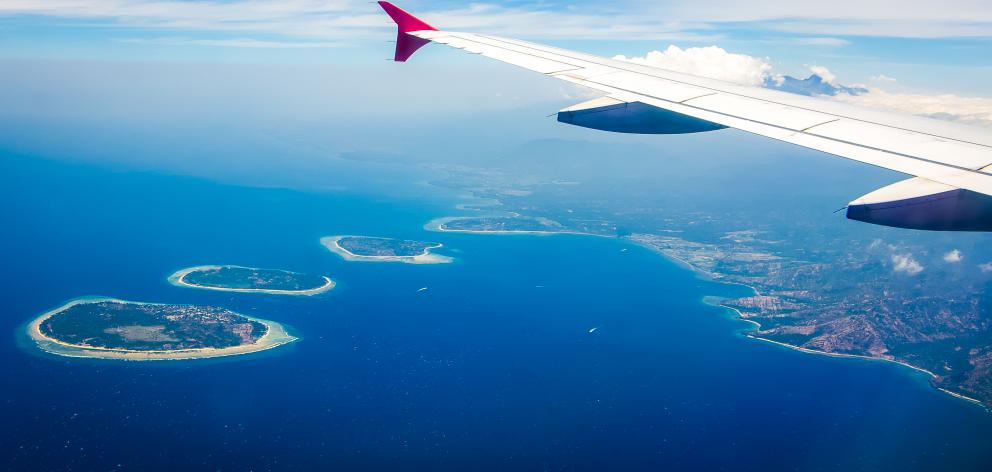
x=275, y=336
x=331, y=243
x=178, y=279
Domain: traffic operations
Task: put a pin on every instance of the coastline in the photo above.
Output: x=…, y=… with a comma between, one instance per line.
x=178, y=279
x=756, y=326
x=437, y=225
x=275, y=336
x=708, y=300
x=331, y=243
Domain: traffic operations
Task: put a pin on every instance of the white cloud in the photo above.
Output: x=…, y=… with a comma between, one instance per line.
x=244, y=15
x=974, y=10
x=953, y=18
x=986, y=267
x=329, y=23
x=640, y=20
x=883, y=78
x=953, y=256
x=234, y=43
x=824, y=74
x=906, y=264
x=818, y=22
x=884, y=27
x=970, y=110
x=716, y=62
x=822, y=41
x=711, y=61
x=352, y=19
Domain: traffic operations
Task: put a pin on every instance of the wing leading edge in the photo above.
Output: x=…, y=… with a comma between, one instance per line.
x=952, y=163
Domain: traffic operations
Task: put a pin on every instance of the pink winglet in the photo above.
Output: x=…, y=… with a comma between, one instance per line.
x=405, y=21
x=406, y=44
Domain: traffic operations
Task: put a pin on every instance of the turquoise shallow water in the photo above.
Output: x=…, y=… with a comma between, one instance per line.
x=492, y=367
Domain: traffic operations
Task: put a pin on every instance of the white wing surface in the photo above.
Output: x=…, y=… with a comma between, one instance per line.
x=950, y=155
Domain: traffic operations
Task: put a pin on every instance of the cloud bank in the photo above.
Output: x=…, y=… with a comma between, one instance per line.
x=970, y=110
x=712, y=61
x=311, y=24
x=348, y=20
x=715, y=62
x=632, y=19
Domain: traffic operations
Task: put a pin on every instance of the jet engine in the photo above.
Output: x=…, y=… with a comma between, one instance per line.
x=918, y=203
x=611, y=114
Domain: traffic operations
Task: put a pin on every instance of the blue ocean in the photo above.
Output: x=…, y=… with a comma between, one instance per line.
x=527, y=353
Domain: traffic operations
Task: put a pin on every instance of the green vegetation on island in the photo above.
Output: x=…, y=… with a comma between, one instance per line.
x=250, y=279
x=499, y=224
x=384, y=247
x=368, y=248
x=144, y=327
x=120, y=329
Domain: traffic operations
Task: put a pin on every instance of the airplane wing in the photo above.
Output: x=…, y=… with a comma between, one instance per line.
x=952, y=163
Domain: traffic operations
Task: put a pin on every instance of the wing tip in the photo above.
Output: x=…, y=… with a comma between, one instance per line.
x=405, y=22
x=406, y=44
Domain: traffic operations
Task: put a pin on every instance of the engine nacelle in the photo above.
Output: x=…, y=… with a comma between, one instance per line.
x=610, y=114
x=918, y=203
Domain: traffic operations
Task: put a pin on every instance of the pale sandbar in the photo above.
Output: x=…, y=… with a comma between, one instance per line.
x=178, y=279
x=426, y=257
x=275, y=336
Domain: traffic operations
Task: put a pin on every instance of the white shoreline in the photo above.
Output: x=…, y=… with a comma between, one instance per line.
x=437, y=225
x=275, y=336
x=331, y=243
x=757, y=326
x=739, y=315
x=178, y=279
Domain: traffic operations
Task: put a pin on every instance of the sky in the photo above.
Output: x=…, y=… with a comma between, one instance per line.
x=938, y=47
x=74, y=69
x=269, y=92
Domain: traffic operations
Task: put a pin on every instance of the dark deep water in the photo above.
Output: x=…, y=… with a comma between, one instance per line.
x=491, y=368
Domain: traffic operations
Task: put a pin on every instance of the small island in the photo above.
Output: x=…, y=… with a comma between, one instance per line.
x=498, y=225
x=108, y=328
x=373, y=249
x=233, y=278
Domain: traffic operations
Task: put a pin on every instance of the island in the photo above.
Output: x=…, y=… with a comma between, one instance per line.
x=800, y=279
x=374, y=249
x=233, y=278
x=811, y=307
x=514, y=224
x=109, y=328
